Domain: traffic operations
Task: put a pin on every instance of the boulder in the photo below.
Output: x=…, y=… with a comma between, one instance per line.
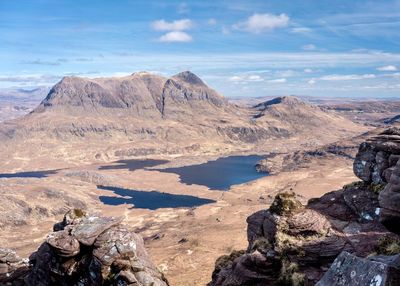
x=348, y=269
x=91, y=227
x=64, y=244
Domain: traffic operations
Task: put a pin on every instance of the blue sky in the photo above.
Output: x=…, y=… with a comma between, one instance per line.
x=241, y=48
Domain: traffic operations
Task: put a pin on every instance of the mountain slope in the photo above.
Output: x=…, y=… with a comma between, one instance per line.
x=146, y=114
x=291, y=113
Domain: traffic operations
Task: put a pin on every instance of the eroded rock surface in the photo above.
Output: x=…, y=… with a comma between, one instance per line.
x=292, y=244
x=348, y=269
x=377, y=157
x=84, y=250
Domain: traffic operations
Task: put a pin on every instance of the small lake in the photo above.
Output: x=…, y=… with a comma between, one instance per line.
x=29, y=174
x=220, y=174
x=151, y=200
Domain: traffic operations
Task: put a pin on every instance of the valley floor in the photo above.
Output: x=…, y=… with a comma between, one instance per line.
x=185, y=242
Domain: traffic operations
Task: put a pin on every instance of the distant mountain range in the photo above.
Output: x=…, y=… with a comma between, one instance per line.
x=144, y=114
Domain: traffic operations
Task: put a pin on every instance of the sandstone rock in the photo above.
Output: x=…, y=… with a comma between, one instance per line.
x=376, y=155
x=90, y=228
x=87, y=250
x=249, y=269
x=348, y=269
x=389, y=200
x=64, y=244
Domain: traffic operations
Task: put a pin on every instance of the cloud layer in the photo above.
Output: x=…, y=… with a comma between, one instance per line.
x=259, y=23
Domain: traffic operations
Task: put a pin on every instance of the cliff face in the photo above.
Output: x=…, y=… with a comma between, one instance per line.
x=84, y=250
x=292, y=244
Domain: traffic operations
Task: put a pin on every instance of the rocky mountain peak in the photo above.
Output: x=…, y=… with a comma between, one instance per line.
x=189, y=77
x=142, y=94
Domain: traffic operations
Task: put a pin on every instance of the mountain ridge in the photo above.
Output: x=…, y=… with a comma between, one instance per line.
x=147, y=114
x=140, y=91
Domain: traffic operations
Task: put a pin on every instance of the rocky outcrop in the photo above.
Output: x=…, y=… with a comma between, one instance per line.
x=348, y=269
x=11, y=266
x=389, y=200
x=85, y=250
x=377, y=162
x=377, y=157
x=292, y=244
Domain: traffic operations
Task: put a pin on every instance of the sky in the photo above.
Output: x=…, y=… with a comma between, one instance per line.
x=240, y=48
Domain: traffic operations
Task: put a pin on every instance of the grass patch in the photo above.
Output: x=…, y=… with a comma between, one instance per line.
x=227, y=260
x=289, y=275
x=285, y=203
x=388, y=246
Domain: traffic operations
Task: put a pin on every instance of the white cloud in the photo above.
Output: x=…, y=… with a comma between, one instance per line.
x=176, y=36
x=225, y=30
x=309, y=47
x=258, y=23
x=339, y=77
x=177, y=25
x=301, y=30
x=212, y=22
x=286, y=73
x=255, y=78
x=235, y=78
x=312, y=81
x=308, y=70
x=278, y=80
x=245, y=78
x=387, y=68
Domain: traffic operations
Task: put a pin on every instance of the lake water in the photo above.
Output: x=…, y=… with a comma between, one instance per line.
x=220, y=174
x=150, y=200
x=29, y=174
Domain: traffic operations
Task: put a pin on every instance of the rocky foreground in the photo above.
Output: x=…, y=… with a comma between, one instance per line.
x=84, y=250
x=346, y=237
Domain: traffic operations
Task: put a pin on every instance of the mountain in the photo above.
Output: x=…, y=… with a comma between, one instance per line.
x=291, y=113
x=141, y=94
x=84, y=119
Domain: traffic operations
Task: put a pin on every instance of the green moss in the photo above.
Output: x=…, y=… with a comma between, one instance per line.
x=290, y=275
x=388, y=245
x=262, y=245
x=354, y=185
x=376, y=188
x=79, y=213
x=285, y=204
x=226, y=260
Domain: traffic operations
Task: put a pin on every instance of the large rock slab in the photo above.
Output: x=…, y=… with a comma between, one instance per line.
x=348, y=269
x=90, y=228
